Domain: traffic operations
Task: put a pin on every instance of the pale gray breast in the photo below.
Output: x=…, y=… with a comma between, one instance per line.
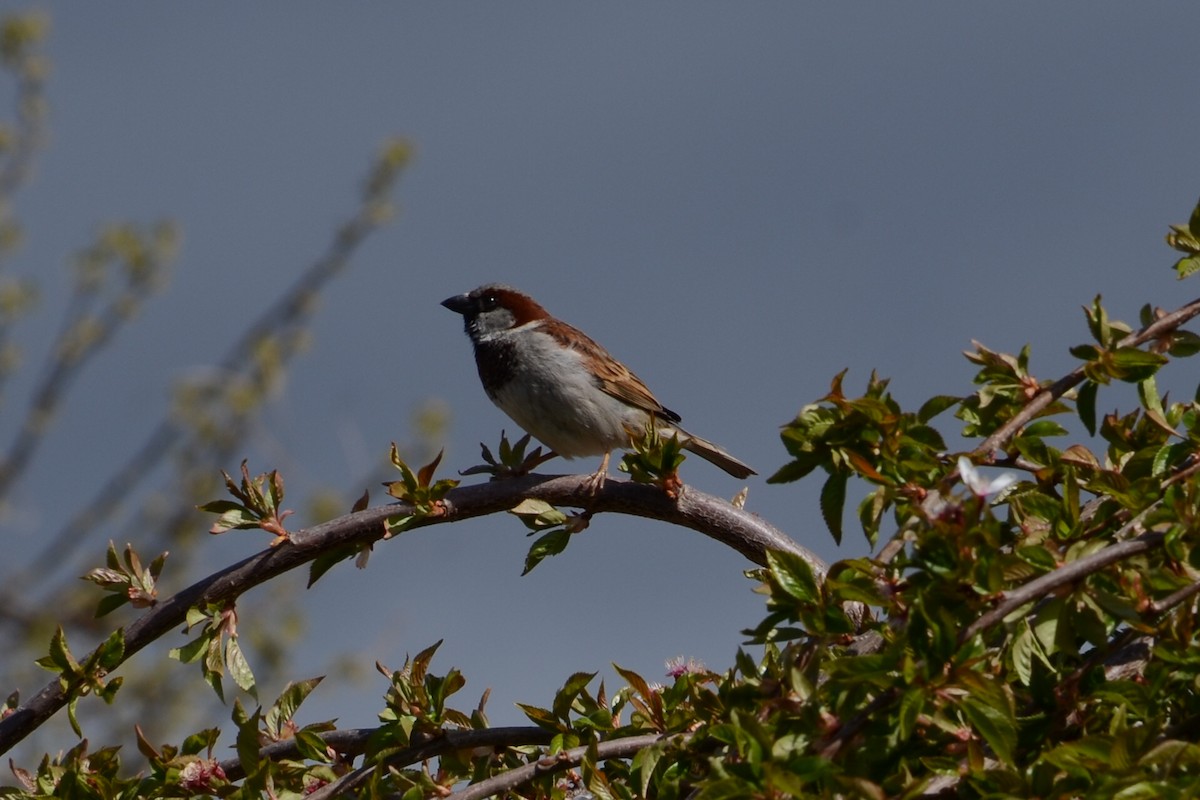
x=550, y=394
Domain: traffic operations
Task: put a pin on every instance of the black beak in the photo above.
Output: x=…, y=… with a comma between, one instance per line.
x=459, y=304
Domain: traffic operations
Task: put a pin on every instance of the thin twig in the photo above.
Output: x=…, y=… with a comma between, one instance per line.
x=1163, y=325
x=617, y=748
x=348, y=743
x=28, y=136
x=1068, y=573
x=425, y=747
x=67, y=363
x=1175, y=598
x=828, y=749
x=288, y=311
x=1000, y=438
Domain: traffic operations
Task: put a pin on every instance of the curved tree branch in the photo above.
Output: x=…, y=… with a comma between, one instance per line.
x=709, y=515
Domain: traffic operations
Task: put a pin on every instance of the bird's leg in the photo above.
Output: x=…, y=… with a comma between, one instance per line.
x=597, y=480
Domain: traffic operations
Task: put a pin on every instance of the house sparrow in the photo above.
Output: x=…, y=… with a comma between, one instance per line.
x=562, y=387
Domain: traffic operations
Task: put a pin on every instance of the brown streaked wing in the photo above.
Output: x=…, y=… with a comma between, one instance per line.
x=615, y=378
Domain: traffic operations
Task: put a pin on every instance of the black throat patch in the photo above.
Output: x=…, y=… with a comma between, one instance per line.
x=496, y=362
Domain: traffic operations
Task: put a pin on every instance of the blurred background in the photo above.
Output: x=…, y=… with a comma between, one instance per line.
x=737, y=201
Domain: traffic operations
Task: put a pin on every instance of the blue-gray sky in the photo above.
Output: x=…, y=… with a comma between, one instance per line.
x=737, y=200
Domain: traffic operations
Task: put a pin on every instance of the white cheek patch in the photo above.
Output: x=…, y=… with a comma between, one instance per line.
x=492, y=332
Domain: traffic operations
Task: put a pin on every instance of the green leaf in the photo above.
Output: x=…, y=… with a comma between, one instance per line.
x=1034, y=449
x=235, y=518
x=833, y=501
x=1193, y=225
x=105, y=577
x=565, y=696
x=110, y=557
x=936, y=405
x=1045, y=626
x=398, y=523
x=191, y=651
x=275, y=485
x=911, y=706
x=425, y=473
x=312, y=746
x=1148, y=394
x=1025, y=649
x=110, y=603
x=1184, y=344
x=1098, y=324
x=870, y=512
x=156, y=566
x=996, y=726
x=60, y=658
x=212, y=667
x=421, y=661
x=1186, y=266
x=196, y=616
x=644, y=764
x=109, y=692
x=247, y=739
x=112, y=652
x=1085, y=404
x=635, y=681
x=794, y=576
x=284, y=709
x=928, y=437
x=220, y=507
x=202, y=740
x=549, y=544
x=793, y=471
x=326, y=561
x=1132, y=364
x=72, y=705
x=1036, y=555
x=540, y=717
x=538, y=514
x=1168, y=456
x=1044, y=427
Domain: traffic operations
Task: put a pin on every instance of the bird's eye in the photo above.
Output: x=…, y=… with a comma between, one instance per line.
x=488, y=302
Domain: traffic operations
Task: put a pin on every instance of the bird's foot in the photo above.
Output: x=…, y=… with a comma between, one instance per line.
x=596, y=481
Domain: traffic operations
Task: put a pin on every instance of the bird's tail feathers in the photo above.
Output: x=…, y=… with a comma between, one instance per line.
x=714, y=455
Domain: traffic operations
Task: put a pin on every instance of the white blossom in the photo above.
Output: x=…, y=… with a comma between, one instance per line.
x=981, y=486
